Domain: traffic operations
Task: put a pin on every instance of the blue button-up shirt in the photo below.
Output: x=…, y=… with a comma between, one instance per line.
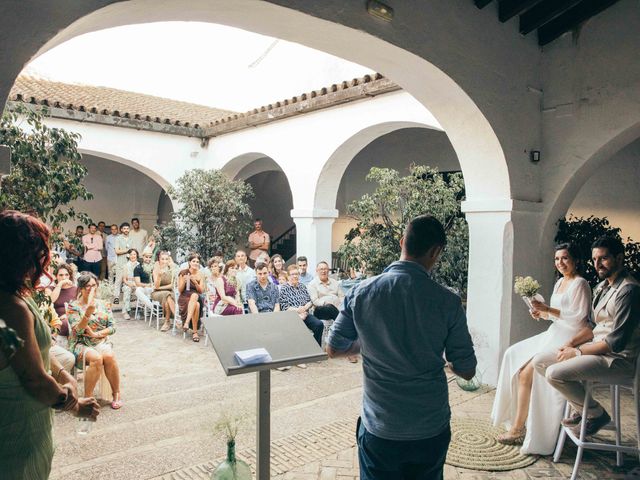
x=306, y=278
x=265, y=298
x=405, y=322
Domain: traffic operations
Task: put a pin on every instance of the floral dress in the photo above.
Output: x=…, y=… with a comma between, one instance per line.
x=101, y=318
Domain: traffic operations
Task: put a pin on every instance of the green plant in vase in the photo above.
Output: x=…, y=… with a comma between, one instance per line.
x=231, y=468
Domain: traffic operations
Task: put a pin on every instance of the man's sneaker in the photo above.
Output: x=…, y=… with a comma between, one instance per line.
x=593, y=424
x=116, y=301
x=574, y=419
x=283, y=369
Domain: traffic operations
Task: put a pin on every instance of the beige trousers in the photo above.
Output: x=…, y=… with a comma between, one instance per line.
x=567, y=376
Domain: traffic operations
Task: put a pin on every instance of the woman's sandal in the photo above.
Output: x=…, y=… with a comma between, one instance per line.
x=196, y=337
x=117, y=403
x=516, y=438
x=165, y=327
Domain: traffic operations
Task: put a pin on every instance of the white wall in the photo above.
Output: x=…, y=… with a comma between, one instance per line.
x=613, y=192
x=397, y=150
x=120, y=193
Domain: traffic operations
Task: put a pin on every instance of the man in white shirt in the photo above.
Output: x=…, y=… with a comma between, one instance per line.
x=245, y=273
x=103, y=262
x=112, y=257
x=137, y=235
x=325, y=293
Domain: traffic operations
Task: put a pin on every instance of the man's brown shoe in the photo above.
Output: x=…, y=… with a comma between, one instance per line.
x=572, y=420
x=593, y=424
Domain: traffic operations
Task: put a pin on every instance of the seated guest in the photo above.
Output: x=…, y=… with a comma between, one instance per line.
x=227, y=300
x=283, y=278
x=163, y=279
x=275, y=267
x=191, y=284
x=142, y=274
x=294, y=296
x=90, y=325
x=325, y=294
x=609, y=351
x=303, y=265
x=245, y=274
x=63, y=292
x=129, y=281
x=263, y=296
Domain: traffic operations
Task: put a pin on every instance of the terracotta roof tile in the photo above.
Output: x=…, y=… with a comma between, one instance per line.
x=110, y=101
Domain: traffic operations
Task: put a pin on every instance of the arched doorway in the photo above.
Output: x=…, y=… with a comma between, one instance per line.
x=123, y=190
x=272, y=201
x=397, y=149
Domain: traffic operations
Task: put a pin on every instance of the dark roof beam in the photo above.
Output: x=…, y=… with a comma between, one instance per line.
x=571, y=19
x=482, y=3
x=544, y=13
x=510, y=8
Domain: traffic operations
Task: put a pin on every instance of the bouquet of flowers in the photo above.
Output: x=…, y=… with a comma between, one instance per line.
x=527, y=288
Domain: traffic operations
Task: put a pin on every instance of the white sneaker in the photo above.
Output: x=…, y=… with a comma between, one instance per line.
x=126, y=316
x=302, y=365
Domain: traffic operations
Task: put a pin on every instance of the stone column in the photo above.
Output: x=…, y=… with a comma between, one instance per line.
x=503, y=242
x=313, y=234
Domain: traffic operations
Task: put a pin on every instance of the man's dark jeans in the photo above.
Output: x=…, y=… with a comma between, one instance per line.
x=316, y=326
x=382, y=459
x=326, y=312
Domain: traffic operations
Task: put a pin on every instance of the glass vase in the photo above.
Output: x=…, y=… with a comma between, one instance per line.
x=232, y=468
x=469, y=385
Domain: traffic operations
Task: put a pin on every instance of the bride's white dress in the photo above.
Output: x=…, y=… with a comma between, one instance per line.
x=546, y=407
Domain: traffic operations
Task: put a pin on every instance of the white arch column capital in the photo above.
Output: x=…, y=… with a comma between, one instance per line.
x=315, y=213
x=313, y=233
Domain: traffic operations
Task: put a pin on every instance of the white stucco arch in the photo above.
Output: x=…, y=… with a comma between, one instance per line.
x=601, y=150
x=476, y=144
x=328, y=183
x=154, y=175
x=247, y=164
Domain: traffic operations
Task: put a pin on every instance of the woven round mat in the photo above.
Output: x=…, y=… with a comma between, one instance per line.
x=474, y=446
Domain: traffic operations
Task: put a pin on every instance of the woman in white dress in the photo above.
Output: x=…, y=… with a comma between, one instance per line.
x=525, y=403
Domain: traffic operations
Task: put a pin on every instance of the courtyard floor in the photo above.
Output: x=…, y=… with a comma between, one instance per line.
x=175, y=391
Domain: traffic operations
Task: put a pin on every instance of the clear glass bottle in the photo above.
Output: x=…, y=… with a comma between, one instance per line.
x=232, y=468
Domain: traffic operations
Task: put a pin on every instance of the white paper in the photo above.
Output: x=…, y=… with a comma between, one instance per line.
x=253, y=356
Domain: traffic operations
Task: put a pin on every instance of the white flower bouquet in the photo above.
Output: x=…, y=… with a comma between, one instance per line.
x=527, y=288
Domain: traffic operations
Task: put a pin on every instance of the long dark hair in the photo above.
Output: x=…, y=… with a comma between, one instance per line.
x=24, y=250
x=574, y=253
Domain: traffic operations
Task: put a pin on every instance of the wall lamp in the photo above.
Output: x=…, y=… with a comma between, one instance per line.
x=380, y=10
x=534, y=156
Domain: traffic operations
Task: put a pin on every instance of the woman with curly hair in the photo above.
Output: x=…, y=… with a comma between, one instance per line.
x=31, y=384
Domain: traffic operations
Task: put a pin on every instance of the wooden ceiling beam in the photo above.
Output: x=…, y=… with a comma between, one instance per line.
x=510, y=8
x=482, y=3
x=544, y=13
x=571, y=19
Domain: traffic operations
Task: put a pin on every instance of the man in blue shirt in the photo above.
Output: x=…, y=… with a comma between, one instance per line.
x=262, y=295
x=303, y=265
x=402, y=322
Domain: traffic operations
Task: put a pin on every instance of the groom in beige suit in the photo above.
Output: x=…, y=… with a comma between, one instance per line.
x=610, y=350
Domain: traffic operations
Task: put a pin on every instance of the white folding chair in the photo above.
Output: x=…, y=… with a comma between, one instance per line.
x=614, y=386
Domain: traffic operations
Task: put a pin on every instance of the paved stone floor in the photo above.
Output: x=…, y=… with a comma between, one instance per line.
x=175, y=391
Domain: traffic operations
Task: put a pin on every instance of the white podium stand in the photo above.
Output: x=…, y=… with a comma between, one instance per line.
x=288, y=341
